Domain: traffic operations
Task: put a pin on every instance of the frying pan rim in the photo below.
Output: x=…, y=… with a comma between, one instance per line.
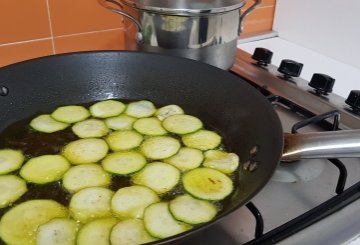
x=227, y=211
x=110, y=51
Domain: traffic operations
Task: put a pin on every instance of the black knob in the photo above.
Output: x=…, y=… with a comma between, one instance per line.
x=353, y=100
x=290, y=68
x=262, y=56
x=322, y=83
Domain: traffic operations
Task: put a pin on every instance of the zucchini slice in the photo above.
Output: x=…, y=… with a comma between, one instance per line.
x=96, y=232
x=207, y=184
x=11, y=188
x=160, y=147
x=192, y=211
x=202, y=140
x=124, y=140
x=70, y=114
x=44, y=169
x=222, y=161
x=123, y=163
x=85, y=175
x=47, y=124
x=130, y=202
x=142, y=108
x=18, y=226
x=149, y=126
x=90, y=128
x=131, y=231
x=85, y=151
x=122, y=122
x=160, y=177
x=167, y=111
x=182, y=124
x=160, y=223
x=58, y=231
x=186, y=159
x=10, y=160
x=107, y=108
x=91, y=203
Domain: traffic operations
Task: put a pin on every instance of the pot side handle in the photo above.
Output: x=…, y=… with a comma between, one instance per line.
x=105, y=4
x=245, y=14
x=334, y=144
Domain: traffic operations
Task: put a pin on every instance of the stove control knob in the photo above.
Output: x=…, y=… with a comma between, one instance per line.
x=262, y=56
x=322, y=83
x=353, y=100
x=290, y=68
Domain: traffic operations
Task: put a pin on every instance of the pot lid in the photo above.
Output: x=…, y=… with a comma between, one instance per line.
x=186, y=7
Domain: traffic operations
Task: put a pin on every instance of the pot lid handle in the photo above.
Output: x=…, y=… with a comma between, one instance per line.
x=185, y=7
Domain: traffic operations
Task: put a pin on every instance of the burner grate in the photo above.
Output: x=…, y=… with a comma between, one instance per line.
x=335, y=126
x=341, y=199
x=308, y=218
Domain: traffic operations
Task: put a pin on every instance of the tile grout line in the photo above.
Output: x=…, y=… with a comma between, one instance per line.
x=90, y=32
x=265, y=7
x=50, y=25
x=262, y=7
x=26, y=41
x=52, y=38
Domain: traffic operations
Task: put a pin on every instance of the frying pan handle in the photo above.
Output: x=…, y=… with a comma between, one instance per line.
x=245, y=14
x=105, y=4
x=335, y=144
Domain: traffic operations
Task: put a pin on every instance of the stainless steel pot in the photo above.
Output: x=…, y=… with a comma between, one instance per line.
x=203, y=30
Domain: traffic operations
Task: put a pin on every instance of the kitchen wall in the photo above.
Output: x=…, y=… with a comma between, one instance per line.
x=330, y=27
x=35, y=28
x=261, y=19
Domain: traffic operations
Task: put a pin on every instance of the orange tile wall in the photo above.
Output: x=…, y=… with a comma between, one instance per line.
x=35, y=28
x=261, y=19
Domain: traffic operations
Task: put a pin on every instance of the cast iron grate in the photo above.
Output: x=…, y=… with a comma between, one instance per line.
x=342, y=199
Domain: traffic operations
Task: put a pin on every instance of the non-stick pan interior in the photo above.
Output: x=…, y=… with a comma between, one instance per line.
x=223, y=101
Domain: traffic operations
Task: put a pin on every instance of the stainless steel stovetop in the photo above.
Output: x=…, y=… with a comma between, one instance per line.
x=304, y=202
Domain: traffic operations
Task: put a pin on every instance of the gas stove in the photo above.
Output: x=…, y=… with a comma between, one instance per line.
x=309, y=201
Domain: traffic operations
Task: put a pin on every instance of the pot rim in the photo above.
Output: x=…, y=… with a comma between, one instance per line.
x=184, y=8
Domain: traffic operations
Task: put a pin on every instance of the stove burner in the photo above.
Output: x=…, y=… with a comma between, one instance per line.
x=304, y=170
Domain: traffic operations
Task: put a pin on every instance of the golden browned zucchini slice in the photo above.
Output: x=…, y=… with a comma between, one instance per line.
x=207, y=184
x=18, y=226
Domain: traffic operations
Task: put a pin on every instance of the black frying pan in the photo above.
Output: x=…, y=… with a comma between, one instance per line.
x=223, y=101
